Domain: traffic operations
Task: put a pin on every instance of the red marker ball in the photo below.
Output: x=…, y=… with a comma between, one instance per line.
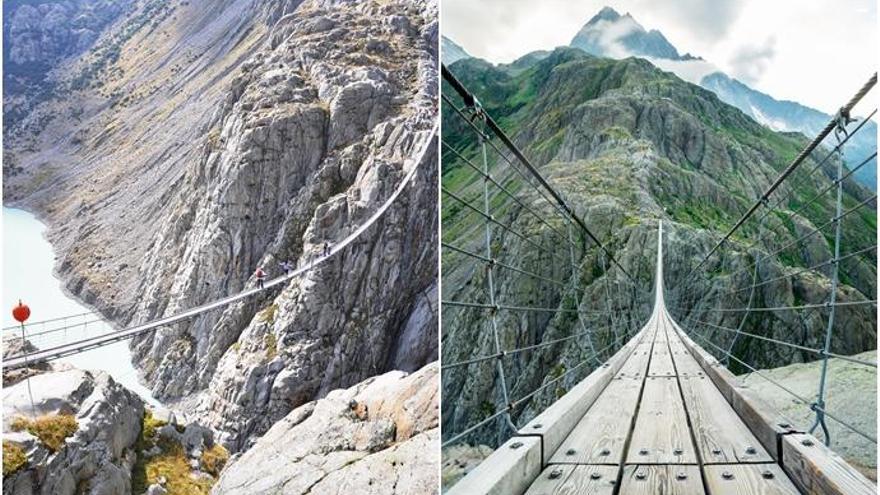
x=21, y=312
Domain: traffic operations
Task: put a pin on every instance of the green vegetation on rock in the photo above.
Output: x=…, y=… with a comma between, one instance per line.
x=52, y=430
x=14, y=458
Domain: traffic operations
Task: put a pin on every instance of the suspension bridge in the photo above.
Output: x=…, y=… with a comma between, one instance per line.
x=59, y=328
x=653, y=410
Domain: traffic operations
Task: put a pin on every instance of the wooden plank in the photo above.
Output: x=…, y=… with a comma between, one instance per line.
x=555, y=423
x=661, y=361
x=575, y=480
x=816, y=469
x=509, y=470
x=661, y=479
x=763, y=421
x=637, y=364
x=686, y=365
x=600, y=436
x=721, y=436
x=661, y=434
x=748, y=479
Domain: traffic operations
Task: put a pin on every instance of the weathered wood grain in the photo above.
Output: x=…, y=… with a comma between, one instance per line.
x=509, y=470
x=765, y=423
x=661, y=479
x=555, y=423
x=721, y=436
x=816, y=469
x=748, y=479
x=637, y=364
x=661, y=434
x=661, y=361
x=600, y=436
x=575, y=480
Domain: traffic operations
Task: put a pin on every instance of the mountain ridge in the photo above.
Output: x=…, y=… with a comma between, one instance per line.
x=611, y=35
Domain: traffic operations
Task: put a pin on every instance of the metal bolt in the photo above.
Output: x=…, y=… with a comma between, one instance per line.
x=751, y=450
x=807, y=442
x=643, y=452
x=767, y=475
x=678, y=451
x=595, y=476
x=727, y=475
x=784, y=425
x=605, y=452
x=516, y=445
x=537, y=425
x=555, y=473
x=640, y=475
x=570, y=452
x=716, y=451
x=681, y=476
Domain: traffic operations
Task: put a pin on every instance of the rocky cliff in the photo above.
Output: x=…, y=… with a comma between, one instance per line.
x=95, y=457
x=628, y=144
x=378, y=437
x=190, y=145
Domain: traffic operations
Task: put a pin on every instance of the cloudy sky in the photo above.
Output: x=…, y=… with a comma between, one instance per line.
x=815, y=52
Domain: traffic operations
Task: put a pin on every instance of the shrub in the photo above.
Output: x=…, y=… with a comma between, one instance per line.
x=52, y=430
x=14, y=458
x=271, y=346
x=214, y=459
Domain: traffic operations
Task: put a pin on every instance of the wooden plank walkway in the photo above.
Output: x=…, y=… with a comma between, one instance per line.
x=661, y=417
x=661, y=426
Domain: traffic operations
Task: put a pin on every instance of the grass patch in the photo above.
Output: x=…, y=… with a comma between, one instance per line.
x=52, y=430
x=271, y=345
x=214, y=459
x=268, y=315
x=14, y=458
x=171, y=463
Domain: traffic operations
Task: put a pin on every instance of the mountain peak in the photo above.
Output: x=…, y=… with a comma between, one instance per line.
x=606, y=14
x=608, y=34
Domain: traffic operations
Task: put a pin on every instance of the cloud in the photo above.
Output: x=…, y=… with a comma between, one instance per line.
x=750, y=62
x=708, y=21
x=692, y=71
x=611, y=32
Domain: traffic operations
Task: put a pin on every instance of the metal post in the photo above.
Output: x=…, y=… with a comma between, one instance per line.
x=27, y=373
x=491, y=282
x=819, y=406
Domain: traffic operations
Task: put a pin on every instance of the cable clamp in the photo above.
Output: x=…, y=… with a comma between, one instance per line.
x=842, y=119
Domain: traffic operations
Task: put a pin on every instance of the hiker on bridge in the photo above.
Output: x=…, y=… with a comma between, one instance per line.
x=286, y=266
x=261, y=276
x=326, y=249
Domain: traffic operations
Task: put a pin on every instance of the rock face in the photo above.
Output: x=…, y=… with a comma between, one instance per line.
x=98, y=458
x=38, y=37
x=378, y=437
x=627, y=145
x=851, y=396
x=235, y=136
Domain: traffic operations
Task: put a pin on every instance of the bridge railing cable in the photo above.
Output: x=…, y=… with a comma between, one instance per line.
x=770, y=257
x=556, y=239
